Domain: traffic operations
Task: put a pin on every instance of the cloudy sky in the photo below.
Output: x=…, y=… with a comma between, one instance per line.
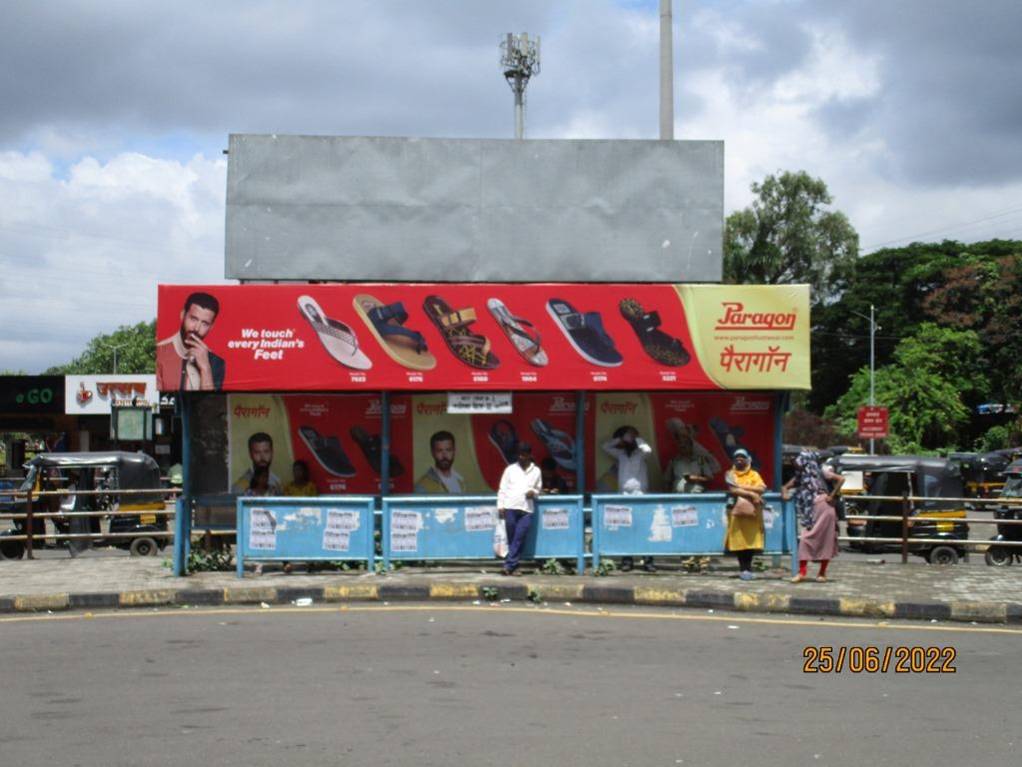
x=113, y=115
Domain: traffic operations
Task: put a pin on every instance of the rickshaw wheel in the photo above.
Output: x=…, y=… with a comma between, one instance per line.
x=11, y=549
x=942, y=555
x=143, y=547
x=998, y=556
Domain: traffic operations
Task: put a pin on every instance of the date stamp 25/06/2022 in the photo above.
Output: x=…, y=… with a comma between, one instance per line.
x=873, y=659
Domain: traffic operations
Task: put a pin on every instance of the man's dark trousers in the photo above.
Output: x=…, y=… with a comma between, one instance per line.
x=517, y=524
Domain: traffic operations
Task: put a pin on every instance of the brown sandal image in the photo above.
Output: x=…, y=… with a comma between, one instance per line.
x=663, y=348
x=471, y=348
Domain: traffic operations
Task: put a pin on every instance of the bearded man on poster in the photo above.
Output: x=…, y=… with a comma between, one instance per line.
x=183, y=359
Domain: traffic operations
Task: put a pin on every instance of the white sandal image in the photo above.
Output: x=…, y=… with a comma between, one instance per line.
x=338, y=339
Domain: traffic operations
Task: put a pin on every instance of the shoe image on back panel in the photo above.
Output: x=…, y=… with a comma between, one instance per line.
x=372, y=449
x=328, y=452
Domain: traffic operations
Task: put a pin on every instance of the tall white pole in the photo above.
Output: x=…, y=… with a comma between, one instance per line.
x=666, y=72
x=872, y=366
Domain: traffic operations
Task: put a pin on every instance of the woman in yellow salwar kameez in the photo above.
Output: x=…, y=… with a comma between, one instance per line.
x=744, y=536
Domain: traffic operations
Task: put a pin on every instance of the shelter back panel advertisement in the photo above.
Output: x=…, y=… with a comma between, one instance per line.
x=434, y=452
x=428, y=337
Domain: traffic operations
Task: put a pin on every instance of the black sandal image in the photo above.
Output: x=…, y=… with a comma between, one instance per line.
x=372, y=449
x=328, y=452
x=663, y=348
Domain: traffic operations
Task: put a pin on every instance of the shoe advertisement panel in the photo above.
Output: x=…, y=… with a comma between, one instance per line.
x=463, y=337
x=336, y=438
x=691, y=437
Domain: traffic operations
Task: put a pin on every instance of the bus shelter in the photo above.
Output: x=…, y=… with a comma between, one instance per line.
x=410, y=398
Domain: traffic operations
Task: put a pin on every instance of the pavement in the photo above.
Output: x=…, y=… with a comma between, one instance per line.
x=864, y=589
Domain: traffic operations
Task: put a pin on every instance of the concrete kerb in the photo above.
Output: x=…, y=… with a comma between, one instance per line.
x=602, y=593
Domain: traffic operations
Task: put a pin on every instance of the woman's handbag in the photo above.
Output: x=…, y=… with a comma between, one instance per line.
x=743, y=507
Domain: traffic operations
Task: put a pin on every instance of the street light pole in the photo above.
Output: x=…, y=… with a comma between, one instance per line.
x=872, y=367
x=873, y=327
x=115, y=347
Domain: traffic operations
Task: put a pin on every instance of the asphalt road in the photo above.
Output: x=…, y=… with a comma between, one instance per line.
x=437, y=685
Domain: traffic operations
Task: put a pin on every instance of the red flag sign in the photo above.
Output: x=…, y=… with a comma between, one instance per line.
x=873, y=422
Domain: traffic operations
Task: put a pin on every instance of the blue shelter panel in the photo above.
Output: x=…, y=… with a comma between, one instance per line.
x=305, y=529
x=636, y=525
x=461, y=527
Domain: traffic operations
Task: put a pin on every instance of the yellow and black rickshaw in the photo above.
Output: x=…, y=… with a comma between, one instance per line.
x=107, y=471
x=925, y=478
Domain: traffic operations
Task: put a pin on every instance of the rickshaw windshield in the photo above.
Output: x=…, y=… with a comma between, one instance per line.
x=1013, y=487
x=29, y=482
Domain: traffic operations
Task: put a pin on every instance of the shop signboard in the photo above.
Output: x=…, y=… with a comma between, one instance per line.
x=479, y=402
x=97, y=394
x=31, y=394
x=483, y=337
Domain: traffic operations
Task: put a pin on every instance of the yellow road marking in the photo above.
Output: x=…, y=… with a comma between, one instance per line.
x=574, y=613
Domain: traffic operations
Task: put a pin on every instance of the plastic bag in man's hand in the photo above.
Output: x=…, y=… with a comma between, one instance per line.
x=500, y=540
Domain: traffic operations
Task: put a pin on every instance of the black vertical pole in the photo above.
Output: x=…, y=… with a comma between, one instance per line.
x=580, y=441
x=384, y=445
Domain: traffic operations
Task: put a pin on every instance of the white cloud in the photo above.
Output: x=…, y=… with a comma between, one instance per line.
x=83, y=254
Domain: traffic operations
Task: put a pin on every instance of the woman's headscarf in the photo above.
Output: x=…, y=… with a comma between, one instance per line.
x=809, y=484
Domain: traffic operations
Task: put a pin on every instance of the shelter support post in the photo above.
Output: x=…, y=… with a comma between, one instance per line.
x=384, y=448
x=183, y=517
x=782, y=402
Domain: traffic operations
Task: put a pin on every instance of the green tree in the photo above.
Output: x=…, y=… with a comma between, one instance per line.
x=909, y=286
x=135, y=347
x=925, y=388
x=788, y=236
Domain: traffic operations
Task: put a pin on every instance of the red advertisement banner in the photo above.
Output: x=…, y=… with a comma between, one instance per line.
x=337, y=437
x=415, y=337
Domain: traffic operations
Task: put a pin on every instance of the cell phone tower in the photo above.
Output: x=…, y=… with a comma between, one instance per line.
x=519, y=57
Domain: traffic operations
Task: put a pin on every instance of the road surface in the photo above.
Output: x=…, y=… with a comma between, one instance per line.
x=458, y=684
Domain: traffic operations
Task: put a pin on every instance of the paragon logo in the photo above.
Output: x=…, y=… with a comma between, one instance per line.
x=562, y=405
x=736, y=318
x=744, y=405
x=375, y=409
x=240, y=411
x=619, y=408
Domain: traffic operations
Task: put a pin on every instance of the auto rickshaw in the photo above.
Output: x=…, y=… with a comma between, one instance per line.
x=999, y=556
x=982, y=473
x=922, y=477
x=93, y=471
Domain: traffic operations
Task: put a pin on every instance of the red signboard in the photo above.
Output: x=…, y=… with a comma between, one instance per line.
x=422, y=337
x=873, y=422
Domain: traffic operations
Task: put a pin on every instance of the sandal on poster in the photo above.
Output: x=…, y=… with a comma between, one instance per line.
x=338, y=339
x=471, y=348
x=728, y=437
x=328, y=452
x=663, y=348
x=504, y=437
x=372, y=449
x=585, y=333
x=521, y=333
x=386, y=322
x=558, y=443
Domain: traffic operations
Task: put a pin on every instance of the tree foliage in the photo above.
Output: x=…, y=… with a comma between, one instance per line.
x=925, y=387
x=136, y=352
x=788, y=236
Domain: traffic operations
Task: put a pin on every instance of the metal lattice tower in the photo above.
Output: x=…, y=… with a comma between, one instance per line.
x=519, y=57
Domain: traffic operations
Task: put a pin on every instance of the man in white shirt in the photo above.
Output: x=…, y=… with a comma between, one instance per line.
x=520, y=483
x=630, y=451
